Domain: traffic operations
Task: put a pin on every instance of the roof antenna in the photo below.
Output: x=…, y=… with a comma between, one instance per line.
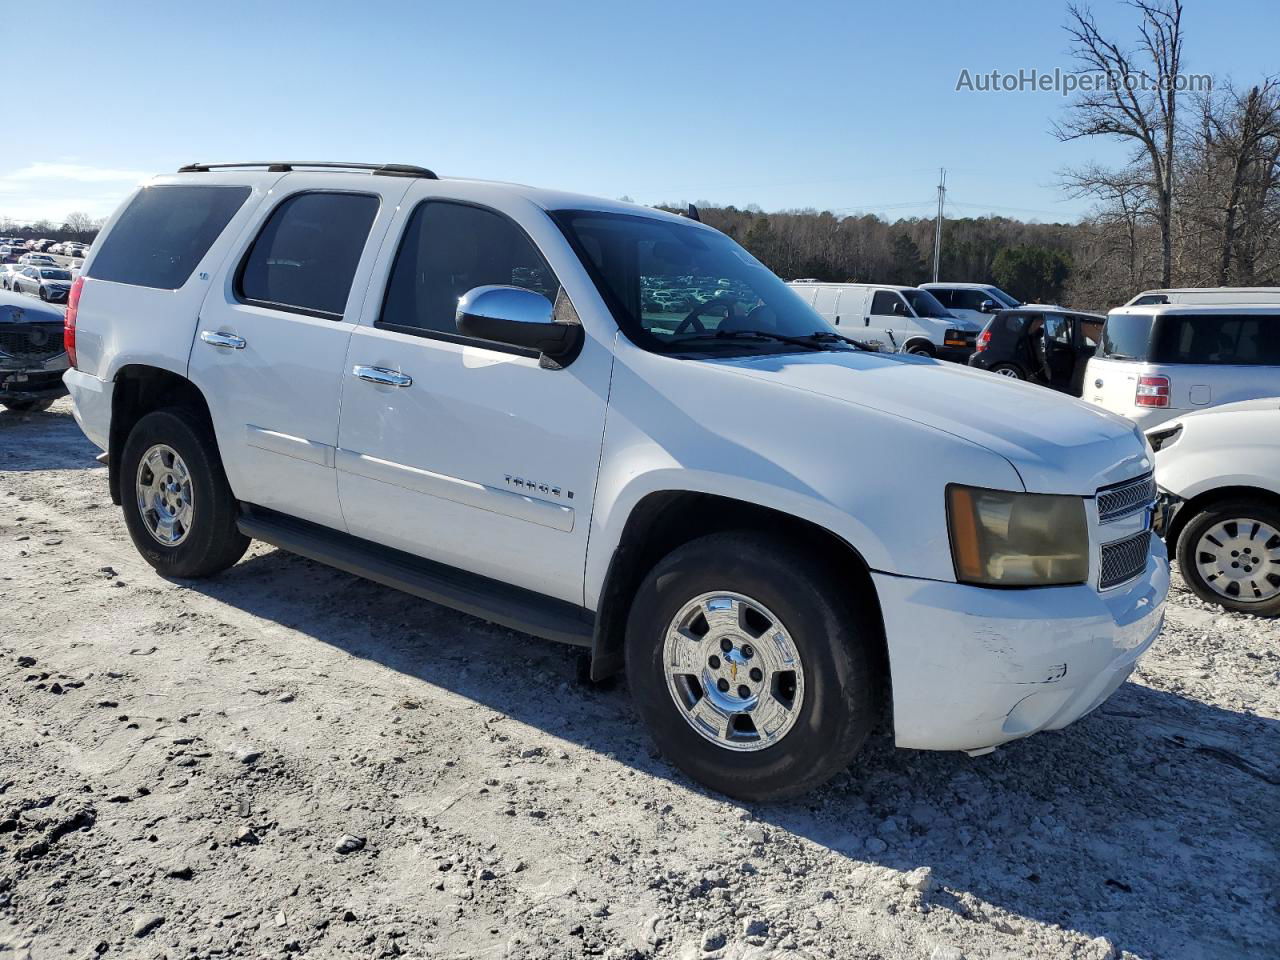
x=692, y=213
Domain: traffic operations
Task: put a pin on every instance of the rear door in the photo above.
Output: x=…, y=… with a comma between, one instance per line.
x=827, y=304
x=272, y=338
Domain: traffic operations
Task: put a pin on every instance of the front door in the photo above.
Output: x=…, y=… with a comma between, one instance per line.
x=463, y=451
x=272, y=340
x=1059, y=351
x=886, y=317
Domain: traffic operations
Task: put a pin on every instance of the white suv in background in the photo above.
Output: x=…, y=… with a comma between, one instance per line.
x=1156, y=362
x=1207, y=295
x=470, y=391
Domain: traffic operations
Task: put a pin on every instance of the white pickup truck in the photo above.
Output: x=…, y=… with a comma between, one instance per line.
x=607, y=425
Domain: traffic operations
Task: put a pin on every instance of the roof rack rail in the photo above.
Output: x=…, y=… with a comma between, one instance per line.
x=284, y=166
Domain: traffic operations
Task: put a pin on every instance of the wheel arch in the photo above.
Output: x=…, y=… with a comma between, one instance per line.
x=1206, y=499
x=930, y=347
x=140, y=389
x=664, y=520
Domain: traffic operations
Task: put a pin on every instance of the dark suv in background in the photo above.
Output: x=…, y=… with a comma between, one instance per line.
x=1048, y=347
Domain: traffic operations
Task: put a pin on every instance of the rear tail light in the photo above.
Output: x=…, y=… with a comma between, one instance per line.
x=69, y=321
x=984, y=341
x=1152, y=392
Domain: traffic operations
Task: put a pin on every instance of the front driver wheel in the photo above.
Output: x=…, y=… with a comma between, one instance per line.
x=1229, y=554
x=179, y=509
x=753, y=668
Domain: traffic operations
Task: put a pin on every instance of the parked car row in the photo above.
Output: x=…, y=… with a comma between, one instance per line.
x=50, y=284
x=66, y=248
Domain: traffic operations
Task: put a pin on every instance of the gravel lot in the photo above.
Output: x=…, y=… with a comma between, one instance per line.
x=288, y=760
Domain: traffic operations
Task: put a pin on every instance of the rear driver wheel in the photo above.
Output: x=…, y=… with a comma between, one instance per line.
x=179, y=509
x=754, y=673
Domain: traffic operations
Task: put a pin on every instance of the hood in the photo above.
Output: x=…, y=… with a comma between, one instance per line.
x=1240, y=406
x=1056, y=443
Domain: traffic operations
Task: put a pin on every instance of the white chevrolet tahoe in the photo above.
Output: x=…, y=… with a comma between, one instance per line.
x=474, y=392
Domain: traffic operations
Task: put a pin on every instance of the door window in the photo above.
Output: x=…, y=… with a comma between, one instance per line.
x=882, y=304
x=1213, y=338
x=1058, y=329
x=305, y=257
x=448, y=249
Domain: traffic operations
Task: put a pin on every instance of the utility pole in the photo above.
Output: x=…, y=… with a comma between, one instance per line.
x=937, y=230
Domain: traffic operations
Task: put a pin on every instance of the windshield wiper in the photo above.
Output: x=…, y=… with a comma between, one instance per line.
x=828, y=336
x=806, y=342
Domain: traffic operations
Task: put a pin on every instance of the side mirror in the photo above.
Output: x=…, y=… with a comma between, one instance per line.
x=989, y=306
x=898, y=310
x=520, y=318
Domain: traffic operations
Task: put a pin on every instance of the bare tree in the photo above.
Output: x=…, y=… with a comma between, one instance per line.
x=81, y=224
x=1134, y=101
x=1244, y=136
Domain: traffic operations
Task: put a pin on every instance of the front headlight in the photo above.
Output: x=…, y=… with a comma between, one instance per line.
x=1003, y=539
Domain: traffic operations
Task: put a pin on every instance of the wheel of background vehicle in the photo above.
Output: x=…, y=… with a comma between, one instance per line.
x=178, y=506
x=1229, y=554
x=1008, y=370
x=753, y=667
x=919, y=350
x=28, y=406
x=43, y=295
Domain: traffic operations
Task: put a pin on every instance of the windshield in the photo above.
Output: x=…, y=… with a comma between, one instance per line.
x=925, y=304
x=55, y=275
x=1004, y=298
x=1126, y=336
x=675, y=286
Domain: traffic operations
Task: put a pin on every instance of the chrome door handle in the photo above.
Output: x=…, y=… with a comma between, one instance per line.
x=228, y=340
x=382, y=376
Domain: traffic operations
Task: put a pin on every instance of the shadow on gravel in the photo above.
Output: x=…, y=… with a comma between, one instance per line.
x=1155, y=821
x=50, y=440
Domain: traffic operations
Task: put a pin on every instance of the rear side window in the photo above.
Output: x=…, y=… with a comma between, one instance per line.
x=306, y=255
x=1011, y=323
x=1241, y=340
x=164, y=233
x=1126, y=336
x=450, y=248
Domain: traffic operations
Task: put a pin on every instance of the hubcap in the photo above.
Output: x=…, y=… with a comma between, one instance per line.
x=733, y=671
x=1240, y=559
x=164, y=495
x=1008, y=372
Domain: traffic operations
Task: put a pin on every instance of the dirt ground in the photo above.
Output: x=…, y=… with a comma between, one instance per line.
x=289, y=760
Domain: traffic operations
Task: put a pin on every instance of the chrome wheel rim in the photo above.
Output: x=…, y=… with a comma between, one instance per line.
x=1240, y=559
x=733, y=671
x=1009, y=372
x=163, y=490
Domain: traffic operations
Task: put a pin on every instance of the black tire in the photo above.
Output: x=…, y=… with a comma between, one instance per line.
x=43, y=295
x=28, y=406
x=834, y=633
x=213, y=541
x=920, y=350
x=1244, y=508
x=1010, y=370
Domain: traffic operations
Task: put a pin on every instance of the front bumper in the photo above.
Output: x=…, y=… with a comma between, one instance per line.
x=1167, y=507
x=30, y=384
x=974, y=667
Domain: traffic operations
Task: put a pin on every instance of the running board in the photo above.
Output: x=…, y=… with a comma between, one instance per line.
x=469, y=593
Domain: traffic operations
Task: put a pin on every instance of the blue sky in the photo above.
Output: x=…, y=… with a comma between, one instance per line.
x=843, y=106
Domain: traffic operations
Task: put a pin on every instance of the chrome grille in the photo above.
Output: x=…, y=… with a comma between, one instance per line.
x=1123, y=560
x=32, y=341
x=1125, y=498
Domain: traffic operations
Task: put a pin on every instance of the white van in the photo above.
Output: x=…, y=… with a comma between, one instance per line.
x=1207, y=295
x=972, y=301
x=893, y=319
x=1157, y=362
